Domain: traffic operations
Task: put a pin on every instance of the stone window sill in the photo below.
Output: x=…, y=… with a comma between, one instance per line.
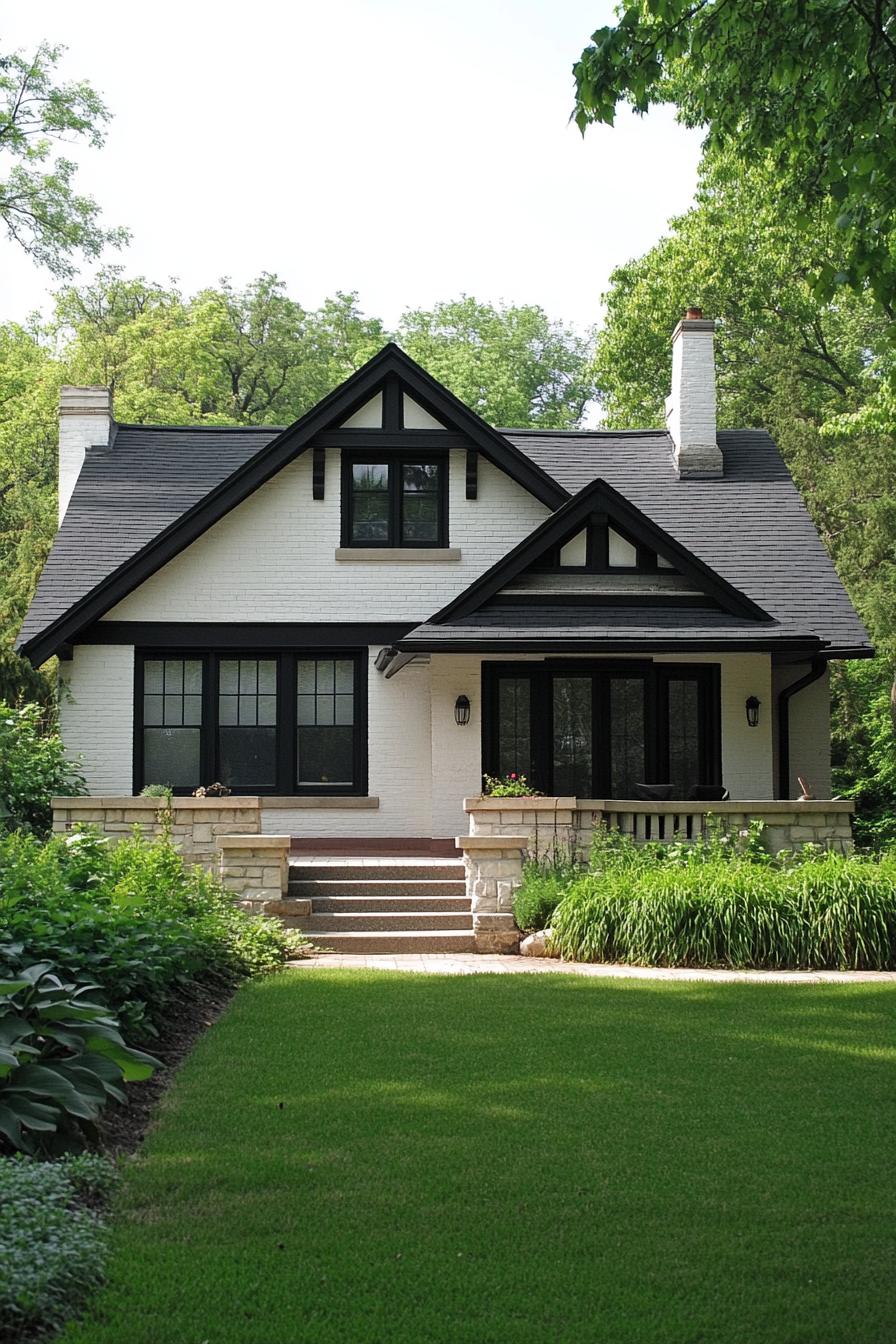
x=407, y=555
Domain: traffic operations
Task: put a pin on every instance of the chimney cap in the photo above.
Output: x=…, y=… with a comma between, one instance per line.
x=694, y=314
x=85, y=400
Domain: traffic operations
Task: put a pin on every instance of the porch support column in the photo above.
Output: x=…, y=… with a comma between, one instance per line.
x=494, y=869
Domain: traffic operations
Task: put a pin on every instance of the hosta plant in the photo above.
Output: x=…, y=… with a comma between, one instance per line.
x=62, y=1059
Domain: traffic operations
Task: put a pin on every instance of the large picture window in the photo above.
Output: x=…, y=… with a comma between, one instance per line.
x=394, y=501
x=592, y=730
x=287, y=723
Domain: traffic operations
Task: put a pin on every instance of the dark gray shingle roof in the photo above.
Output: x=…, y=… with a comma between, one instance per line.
x=750, y=527
x=124, y=497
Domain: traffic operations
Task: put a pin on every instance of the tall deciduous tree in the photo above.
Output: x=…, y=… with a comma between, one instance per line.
x=512, y=365
x=809, y=83
x=39, y=205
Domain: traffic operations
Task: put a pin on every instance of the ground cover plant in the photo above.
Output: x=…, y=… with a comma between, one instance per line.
x=721, y=901
x=52, y=1241
x=516, y=1158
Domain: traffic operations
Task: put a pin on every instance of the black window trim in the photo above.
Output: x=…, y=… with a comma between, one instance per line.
x=656, y=677
x=287, y=751
x=395, y=461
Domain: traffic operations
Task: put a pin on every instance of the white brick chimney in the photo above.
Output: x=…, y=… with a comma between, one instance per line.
x=85, y=419
x=691, y=405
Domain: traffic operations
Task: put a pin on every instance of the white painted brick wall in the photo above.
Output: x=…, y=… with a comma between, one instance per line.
x=810, y=731
x=456, y=752
x=96, y=714
x=691, y=404
x=85, y=419
x=273, y=557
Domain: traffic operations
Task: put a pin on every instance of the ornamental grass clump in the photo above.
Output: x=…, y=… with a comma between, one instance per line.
x=828, y=912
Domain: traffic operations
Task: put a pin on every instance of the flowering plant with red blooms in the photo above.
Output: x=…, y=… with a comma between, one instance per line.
x=509, y=786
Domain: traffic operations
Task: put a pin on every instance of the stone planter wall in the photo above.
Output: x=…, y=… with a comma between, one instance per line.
x=196, y=823
x=256, y=869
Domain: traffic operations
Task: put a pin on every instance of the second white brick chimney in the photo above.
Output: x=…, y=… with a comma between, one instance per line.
x=691, y=405
x=85, y=420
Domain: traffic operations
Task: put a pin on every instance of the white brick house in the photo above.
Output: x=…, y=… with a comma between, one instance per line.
x=357, y=616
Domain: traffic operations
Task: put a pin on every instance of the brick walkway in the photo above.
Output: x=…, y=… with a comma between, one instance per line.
x=472, y=963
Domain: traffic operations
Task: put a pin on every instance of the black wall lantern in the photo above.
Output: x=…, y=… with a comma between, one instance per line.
x=751, y=705
x=461, y=711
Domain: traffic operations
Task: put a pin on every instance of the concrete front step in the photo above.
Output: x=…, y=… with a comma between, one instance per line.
x=381, y=921
x=375, y=889
x=369, y=870
x=398, y=905
x=382, y=944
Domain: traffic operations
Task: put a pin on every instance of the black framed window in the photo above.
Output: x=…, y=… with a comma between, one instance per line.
x=285, y=723
x=172, y=719
x=586, y=729
x=326, y=741
x=397, y=500
x=247, y=722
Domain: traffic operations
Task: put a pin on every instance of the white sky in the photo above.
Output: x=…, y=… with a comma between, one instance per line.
x=407, y=149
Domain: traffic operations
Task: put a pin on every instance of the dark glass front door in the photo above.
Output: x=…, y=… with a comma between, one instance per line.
x=591, y=731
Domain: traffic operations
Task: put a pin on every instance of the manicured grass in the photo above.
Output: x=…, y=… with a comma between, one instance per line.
x=363, y=1157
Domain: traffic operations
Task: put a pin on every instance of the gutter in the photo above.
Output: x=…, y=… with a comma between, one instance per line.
x=816, y=671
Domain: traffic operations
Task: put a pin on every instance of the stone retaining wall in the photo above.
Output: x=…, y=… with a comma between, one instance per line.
x=195, y=823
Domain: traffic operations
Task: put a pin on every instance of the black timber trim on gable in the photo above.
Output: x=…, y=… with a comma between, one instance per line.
x=472, y=473
x=318, y=472
x=335, y=407
x=598, y=497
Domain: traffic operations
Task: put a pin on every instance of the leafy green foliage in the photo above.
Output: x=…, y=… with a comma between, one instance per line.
x=38, y=203
x=130, y=917
x=52, y=1247
x=33, y=768
x=62, y=1059
x=544, y=886
x=512, y=365
x=812, y=87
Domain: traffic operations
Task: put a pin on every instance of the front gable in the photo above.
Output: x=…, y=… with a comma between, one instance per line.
x=599, y=550
x=391, y=405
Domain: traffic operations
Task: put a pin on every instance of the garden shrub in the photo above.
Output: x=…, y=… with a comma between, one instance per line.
x=132, y=918
x=827, y=911
x=52, y=1241
x=33, y=767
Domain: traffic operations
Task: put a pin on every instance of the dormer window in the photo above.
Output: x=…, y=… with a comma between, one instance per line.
x=394, y=500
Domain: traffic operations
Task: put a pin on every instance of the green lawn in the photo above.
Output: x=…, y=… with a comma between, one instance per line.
x=380, y=1157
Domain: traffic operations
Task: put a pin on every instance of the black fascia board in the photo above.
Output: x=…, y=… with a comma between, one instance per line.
x=246, y=634
x=598, y=496
x=270, y=459
x=550, y=645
